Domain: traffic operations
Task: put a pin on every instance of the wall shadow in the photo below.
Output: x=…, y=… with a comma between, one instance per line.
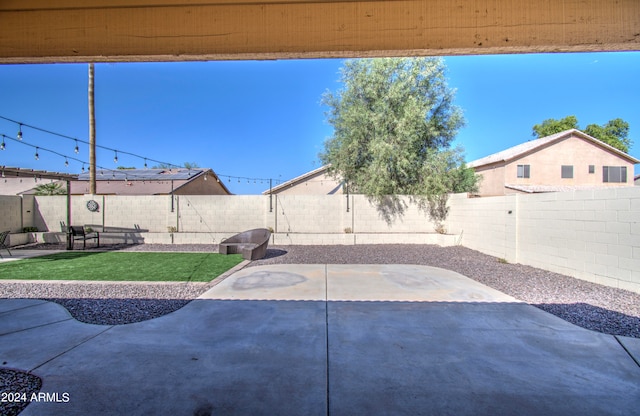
x=594, y=318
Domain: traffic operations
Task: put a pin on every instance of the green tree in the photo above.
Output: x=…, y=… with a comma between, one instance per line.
x=187, y=165
x=615, y=132
x=394, y=121
x=53, y=188
x=552, y=126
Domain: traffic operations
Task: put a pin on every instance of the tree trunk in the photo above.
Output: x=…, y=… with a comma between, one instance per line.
x=92, y=135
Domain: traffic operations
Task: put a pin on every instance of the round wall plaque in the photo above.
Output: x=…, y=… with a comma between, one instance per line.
x=92, y=205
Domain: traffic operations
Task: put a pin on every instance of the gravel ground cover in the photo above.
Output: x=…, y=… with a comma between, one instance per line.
x=18, y=387
x=592, y=306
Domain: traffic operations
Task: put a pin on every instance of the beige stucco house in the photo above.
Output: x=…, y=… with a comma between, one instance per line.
x=316, y=182
x=152, y=182
x=564, y=161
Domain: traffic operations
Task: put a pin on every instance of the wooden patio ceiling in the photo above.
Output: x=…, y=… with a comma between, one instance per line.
x=43, y=31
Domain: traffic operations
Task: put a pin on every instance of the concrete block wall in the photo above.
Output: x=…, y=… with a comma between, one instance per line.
x=592, y=235
x=10, y=213
x=485, y=224
x=217, y=213
x=48, y=212
x=311, y=214
x=368, y=219
x=145, y=212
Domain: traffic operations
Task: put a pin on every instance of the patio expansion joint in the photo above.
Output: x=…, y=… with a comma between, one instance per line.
x=627, y=350
x=37, y=326
x=23, y=307
x=70, y=349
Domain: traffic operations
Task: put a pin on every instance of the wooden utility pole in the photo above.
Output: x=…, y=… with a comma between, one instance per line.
x=92, y=134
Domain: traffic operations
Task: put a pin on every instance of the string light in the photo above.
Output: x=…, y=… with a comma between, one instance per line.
x=76, y=149
x=66, y=161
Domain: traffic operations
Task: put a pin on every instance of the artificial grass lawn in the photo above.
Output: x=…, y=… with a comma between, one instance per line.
x=118, y=266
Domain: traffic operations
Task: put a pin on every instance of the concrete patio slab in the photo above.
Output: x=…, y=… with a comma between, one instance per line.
x=632, y=345
x=406, y=283
x=276, y=282
x=337, y=340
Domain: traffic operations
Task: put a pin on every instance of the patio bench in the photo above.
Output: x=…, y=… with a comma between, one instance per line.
x=79, y=233
x=3, y=242
x=251, y=244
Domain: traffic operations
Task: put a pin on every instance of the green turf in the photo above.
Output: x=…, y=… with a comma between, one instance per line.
x=121, y=266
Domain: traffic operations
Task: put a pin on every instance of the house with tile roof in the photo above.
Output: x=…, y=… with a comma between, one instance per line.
x=568, y=160
x=316, y=182
x=152, y=182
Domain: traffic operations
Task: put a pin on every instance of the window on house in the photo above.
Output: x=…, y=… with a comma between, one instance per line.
x=524, y=171
x=567, y=171
x=614, y=174
x=592, y=168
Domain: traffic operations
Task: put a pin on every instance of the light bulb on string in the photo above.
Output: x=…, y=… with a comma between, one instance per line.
x=66, y=162
x=145, y=163
x=115, y=158
x=37, y=156
x=2, y=145
x=77, y=149
x=19, y=135
x=83, y=167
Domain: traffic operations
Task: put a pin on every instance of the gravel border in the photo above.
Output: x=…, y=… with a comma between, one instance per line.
x=589, y=305
x=17, y=382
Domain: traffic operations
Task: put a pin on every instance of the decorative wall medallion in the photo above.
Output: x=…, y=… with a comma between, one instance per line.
x=92, y=205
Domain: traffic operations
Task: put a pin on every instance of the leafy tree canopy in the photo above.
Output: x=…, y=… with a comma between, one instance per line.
x=187, y=165
x=52, y=188
x=615, y=132
x=394, y=121
x=391, y=121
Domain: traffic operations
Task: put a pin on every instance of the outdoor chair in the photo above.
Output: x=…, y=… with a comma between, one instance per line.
x=251, y=244
x=3, y=242
x=79, y=233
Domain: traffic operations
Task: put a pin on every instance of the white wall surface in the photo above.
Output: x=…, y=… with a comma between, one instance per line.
x=592, y=235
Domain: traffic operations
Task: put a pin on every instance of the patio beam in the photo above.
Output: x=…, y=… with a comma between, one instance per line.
x=44, y=31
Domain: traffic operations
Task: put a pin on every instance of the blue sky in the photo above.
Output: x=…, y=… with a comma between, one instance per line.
x=263, y=119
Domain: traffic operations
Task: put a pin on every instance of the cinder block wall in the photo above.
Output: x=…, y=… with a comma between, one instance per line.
x=10, y=213
x=311, y=214
x=485, y=224
x=592, y=235
x=218, y=213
